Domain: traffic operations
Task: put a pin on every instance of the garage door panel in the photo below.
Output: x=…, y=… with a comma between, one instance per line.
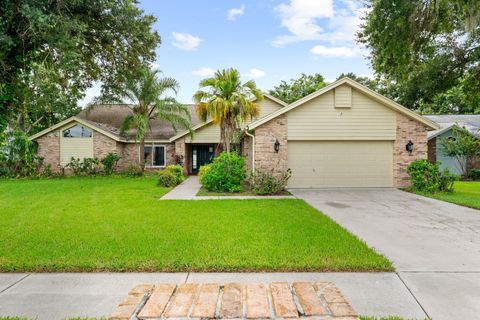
x=321, y=164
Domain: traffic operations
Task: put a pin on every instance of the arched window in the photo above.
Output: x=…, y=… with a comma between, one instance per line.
x=77, y=131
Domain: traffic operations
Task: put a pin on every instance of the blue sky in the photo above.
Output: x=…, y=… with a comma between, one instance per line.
x=268, y=41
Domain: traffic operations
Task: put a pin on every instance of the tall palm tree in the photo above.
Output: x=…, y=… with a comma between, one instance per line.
x=228, y=101
x=146, y=93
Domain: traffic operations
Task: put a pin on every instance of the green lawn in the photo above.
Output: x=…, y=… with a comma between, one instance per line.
x=118, y=224
x=467, y=193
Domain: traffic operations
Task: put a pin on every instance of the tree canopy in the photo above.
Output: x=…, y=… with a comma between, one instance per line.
x=228, y=101
x=298, y=88
x=149, y=96
x=429, y=50
x=51, y=51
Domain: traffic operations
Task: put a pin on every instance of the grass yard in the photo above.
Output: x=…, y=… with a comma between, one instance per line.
x=467, y=193
x=118, y=224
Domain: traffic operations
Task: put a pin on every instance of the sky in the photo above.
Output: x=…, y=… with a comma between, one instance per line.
x=266, y=40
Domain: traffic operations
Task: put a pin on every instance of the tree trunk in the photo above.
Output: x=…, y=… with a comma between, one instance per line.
x=142, y=153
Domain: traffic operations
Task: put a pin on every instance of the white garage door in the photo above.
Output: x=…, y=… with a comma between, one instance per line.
x=324, y=164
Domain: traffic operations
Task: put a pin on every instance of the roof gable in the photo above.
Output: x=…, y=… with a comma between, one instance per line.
x=74, y=119
x=370, y=93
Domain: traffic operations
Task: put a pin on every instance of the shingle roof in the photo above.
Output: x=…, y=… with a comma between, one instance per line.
x=471, y=122
x=110, y=118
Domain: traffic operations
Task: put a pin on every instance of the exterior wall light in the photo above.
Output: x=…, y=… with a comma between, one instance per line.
x=409, y=147
x=276, y=146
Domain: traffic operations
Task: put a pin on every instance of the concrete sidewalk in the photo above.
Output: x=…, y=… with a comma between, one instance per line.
x=60, y=295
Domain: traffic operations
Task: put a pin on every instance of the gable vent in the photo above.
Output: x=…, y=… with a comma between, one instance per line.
x=343, y=97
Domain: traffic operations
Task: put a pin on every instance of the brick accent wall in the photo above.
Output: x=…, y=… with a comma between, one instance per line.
x=170, y=150
x=49, y=149
x=247, y=152
x=180, y=150
x=432, y=150
x=129, y=154
x=103, y=145
x=407, y=129
x=265, y=136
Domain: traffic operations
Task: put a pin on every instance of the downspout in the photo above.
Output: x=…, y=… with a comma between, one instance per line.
x=253, y=149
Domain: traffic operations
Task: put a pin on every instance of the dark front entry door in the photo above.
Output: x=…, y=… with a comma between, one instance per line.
x=201, y=155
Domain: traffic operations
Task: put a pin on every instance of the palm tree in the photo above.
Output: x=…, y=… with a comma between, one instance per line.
x=146, y=95
x=228, y=101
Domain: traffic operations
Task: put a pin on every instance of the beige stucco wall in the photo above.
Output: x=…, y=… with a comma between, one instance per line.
x=318, y=119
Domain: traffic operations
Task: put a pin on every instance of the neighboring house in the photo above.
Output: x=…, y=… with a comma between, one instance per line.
x=343, y=135
x=447, y=123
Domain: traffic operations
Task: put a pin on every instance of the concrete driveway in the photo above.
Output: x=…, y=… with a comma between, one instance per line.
x=434, y=245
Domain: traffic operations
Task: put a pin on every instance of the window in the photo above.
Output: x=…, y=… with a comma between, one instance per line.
x=77, y=131
x=154, y=156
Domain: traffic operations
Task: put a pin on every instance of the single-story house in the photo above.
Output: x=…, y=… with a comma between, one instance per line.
x=447, y=123
x=343, y=135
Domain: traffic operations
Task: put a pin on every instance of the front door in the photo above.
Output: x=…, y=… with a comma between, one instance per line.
x=201, y=155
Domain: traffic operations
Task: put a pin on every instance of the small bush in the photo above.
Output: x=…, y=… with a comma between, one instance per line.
x=426, y=177
x=475, y=174
x=133, y=170
x=177, y=171
x=87, y=166
x=203, y=170
x=225, y=174
x=167, y=179
x=265, y=183
x=165, y=176
x=110, y=162
x=446, y=179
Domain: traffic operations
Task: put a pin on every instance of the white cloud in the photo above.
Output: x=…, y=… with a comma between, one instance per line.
x=204, y=72
x=342, y=52
x=235, y=12
x=255, y=73
x=333, y=25
x=186, y=41
x=300, y=18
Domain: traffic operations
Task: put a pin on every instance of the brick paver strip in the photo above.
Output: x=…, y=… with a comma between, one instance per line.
x=282, y=300
x=341, y=309
x=232, y=301
x=257, y=301
x=134, y=299
x=142, y=288
x=303, y=300
x=333, y=295
x=181, y=301
x=206, y=302
x=307, y=296
x=157, y=301
x=124, y=312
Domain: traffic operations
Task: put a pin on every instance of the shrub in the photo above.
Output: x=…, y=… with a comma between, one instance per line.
x=203, y=170
x=132, y=170
x=446, y=180
x=165, y=176
x=110, y=162
x=87, y=166
x=475, y=174
x=167, y=179
x=18, y=156
x=264, y=183
x=225, y=174
x=426, y=177
x=177, y=171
